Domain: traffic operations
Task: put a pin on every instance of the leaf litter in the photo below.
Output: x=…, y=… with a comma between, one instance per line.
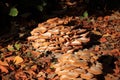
x=64, y=49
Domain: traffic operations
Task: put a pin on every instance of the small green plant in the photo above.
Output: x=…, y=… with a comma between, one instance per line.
x=85, y=15
x=17, y=46
x=13, y=12
x=11, y=48
x=38, y=5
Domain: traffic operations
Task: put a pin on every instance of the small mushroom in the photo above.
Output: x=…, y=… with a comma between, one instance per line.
x=80, y=63
x=54, y=31
x=47, y=34
x=76, y=42
x=95, y=70
x=87, y=76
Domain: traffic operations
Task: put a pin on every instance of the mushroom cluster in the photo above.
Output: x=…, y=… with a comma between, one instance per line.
x=78, y=66
x=67, y=36
x=59, y=35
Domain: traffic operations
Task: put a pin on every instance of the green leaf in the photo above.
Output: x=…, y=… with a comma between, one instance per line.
x=85, y=14
x=10, y=48
x=17, y=46
x=13, y=12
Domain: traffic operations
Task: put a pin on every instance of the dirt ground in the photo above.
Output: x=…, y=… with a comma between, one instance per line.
x=58, y=47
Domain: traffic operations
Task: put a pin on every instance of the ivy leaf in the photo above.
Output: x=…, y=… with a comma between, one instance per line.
x=85, y=14
x=13, y=12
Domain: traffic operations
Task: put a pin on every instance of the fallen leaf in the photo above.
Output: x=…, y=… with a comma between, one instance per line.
x=105, y=35
x=96, y=32
x=3, y=69
x=18, y=60
x=35, y=54
x=17, y=46
x=106, y=18
x=3, y=63
x=34, y=67
x=20, y=75
x=41, y=78
x=10, y=48
x=12, y=68
x=8, y=59
x=41, y=74
x=51, y=75
x=97, y=48
x=30, y=72
x=48, y=70
x=103, y=40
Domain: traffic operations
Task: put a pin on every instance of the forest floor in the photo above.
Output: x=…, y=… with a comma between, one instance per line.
x=41, y=53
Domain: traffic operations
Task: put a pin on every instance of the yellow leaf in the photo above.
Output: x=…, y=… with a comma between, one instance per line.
x=18, y=60
x=105, y=35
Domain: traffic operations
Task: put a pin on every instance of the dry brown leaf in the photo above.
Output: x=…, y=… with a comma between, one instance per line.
x=48, y=70
x=3, y=63
x=41, y=74
x=97, y=48
x=51, y=75
x=35, y=53
x=41, y=78
x=3, y=69
x=18, y=60
x=96, y=32
x=34, y=67
x=20, y=75
x=31, y=72
x=106, y=18
x=103, y=40
x=8, y=59
x=12, y=68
